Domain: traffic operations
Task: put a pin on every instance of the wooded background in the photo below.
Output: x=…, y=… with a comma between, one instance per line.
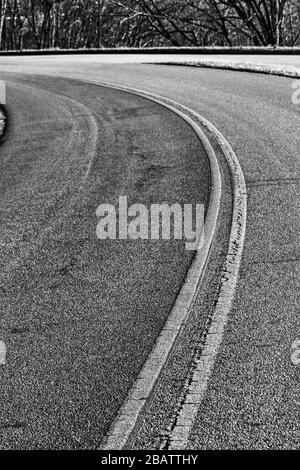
x=72, y=24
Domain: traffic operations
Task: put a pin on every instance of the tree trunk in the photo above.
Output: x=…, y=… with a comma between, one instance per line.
x=3, y=5
x=277, y=26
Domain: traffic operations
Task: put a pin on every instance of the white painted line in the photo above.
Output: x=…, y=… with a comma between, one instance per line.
x=205, y=363
x=125, y=423
x=140, y=393
x=2, y=353
x=2, y=92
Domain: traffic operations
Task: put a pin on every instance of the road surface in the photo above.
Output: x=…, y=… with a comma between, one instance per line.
x=80, y=315
x=285, y=60
x=253, y=397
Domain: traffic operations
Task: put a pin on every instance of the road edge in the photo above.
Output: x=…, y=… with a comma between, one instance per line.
x=204, y=364
x=127, y=419
x=128, y=416
x=277, y=70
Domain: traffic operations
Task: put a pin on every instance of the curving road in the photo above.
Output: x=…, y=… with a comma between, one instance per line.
x=253, y=397
x=79, y=315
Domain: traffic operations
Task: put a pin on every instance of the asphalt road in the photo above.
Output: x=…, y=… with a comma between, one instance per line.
x=79, y=315
x=253, y=397
x=53, y=61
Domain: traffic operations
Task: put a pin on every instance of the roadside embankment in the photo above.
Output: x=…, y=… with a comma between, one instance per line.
x=270, y=69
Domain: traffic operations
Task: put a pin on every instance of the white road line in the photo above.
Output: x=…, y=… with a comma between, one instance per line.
x=2, y=353
x=205, y=363
x=204, y=366
x=2, y=92
x=127, y=419
x=140, y=393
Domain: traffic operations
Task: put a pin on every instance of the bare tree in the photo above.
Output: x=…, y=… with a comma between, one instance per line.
x=3, y=5
x=143, y=23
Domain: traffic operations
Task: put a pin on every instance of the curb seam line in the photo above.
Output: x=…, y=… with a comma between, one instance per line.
x=204, y=364
x=127, y=419
x=128, y=416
